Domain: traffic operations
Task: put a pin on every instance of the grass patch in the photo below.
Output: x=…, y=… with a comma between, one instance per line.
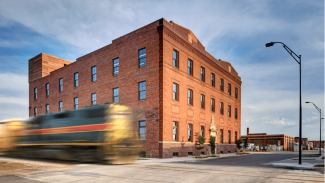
x=200, y=157
x=142, y=159
x=319, y=166
x=242, y=153
x=213, y=155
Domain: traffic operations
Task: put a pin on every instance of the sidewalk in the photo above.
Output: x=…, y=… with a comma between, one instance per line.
x=307, y=163
x=183, y=159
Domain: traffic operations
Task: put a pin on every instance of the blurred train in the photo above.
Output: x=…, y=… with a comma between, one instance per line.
x=102, y=133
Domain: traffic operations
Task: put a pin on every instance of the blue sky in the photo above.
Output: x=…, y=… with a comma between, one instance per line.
x=235, y=31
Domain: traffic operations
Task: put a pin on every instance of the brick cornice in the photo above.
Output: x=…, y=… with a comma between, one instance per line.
x=179, y=39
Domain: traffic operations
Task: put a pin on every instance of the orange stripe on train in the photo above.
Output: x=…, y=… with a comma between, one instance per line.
x=70, y=129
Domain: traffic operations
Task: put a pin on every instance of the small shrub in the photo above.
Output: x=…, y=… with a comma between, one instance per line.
x=200, y=157
x=319, y=166
x=242, y=153
x=213, y=155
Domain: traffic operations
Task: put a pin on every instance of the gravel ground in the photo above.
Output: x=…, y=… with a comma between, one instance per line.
x=320, y=170
x=12, y=166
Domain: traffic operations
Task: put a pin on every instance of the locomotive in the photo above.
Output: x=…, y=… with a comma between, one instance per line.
x=103, y=133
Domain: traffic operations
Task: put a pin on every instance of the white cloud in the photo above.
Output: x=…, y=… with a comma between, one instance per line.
x=11, y=105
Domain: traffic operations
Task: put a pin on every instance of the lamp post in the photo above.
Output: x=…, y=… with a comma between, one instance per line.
x=320, y=126
x=296, y=57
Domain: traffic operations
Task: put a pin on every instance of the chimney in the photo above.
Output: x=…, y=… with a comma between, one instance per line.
x=247, y=131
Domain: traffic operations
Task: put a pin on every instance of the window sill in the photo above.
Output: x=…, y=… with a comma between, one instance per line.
x=141, y=100
x=116, y=75
x=76, y=87
x=93, y=81
x=142, y=67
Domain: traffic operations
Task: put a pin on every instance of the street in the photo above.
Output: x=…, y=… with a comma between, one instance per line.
x=244, y=168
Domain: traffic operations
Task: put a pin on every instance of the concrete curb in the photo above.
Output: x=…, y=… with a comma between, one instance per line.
x=184, y=159
x=294, y=166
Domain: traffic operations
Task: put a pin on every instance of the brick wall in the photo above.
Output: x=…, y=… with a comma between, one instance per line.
x=126, y=49
x=185, y=114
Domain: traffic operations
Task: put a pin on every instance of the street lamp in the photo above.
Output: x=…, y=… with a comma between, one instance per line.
x=296, y=57
x=320, y=127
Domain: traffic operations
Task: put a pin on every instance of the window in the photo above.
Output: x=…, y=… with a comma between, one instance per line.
x=76, y=79
x=93, y=74
x=235, y=135
x=142, y=90
x=76, y=103
x=221, y=108
x=175, y=91
x=229, y=111
x=116, y=95
x=213, y=82
x=60, y=106
x=235, y=113
x=60, y=85
x=47, y=89
x=202, y=74
x=47, y=108
x=175, y=58
x=35, y=111
x=202, y=101
x=229, y=137
x=190, y=67
x=236, y=93
x=189, y=132
x=221, y=84
x=202, y=131
x=221, y=136
x=229, y=89
x=93, y=99
x=142, y=130
x=175, y=132
x=212, y=105
x=35, y=93
x=116, y=66
x=190, y=97
x=142, y=57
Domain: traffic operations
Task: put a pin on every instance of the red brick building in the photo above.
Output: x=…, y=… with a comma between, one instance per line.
x=304, y=141
x=263, y=139
x=316, y=143
x=163, y=72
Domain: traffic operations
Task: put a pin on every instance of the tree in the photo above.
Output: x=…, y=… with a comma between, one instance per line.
x=238, y=144
x=212, y=143
x=199, y=142
x=246, y=143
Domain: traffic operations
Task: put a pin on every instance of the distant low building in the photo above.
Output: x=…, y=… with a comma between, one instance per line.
x=315, y=143
x=305, y=144
x=265, y=140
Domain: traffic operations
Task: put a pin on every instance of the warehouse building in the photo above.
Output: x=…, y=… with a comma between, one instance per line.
x=315, y=143
x=263, y=139
x=163, y=72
